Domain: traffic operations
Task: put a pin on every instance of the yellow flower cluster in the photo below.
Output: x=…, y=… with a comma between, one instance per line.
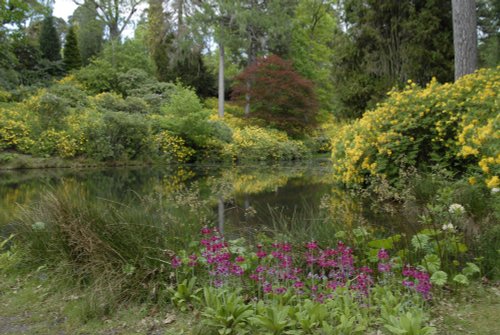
x=14, y=130
x=57, y=142
x=172, y=147
x=259, y=143
x=451, y=124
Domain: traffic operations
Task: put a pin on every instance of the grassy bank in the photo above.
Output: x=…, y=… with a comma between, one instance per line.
x=31, y=305
x=16, y=161
x=104, y=260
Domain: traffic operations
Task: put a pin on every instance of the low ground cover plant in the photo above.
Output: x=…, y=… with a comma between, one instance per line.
x=284, y=288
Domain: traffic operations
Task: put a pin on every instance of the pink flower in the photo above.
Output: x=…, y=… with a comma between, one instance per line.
x=280, y=290
x=384, y=267
x=260, y=269
x=240, y=259
x=312, y=245
x=192, y=260
x=382, y=254
x=237, y=270
x=206, y=231
x=176, y=262
x=298, y=284
x=408, y=283
x=261, y=254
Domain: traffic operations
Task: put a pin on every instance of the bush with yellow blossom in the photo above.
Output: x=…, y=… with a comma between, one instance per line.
x=15, y=130
x=256, y=143
x=172, y=149
x=455, y=125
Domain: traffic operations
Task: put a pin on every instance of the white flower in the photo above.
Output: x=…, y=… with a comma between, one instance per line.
x=456, y=209
x=495, y=190
x=449, y=227
x=38, y=226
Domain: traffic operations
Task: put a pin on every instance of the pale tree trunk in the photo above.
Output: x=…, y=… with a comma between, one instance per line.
x=252, y=56
x=247, y=98
x=221, y=80
x=464, y=36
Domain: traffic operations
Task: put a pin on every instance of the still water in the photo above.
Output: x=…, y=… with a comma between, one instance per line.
x=241, y=197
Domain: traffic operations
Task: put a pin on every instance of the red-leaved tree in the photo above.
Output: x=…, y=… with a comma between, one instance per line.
x=277, y=94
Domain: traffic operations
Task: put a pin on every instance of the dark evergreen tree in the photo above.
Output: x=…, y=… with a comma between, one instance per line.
x=89, y=31
x=192, y=72
x=488, y=15
x=71, y=58
x=159, y=39
x=50, y=45
x=383, y=44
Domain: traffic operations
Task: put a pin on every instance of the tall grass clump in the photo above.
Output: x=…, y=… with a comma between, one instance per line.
x=112, y=249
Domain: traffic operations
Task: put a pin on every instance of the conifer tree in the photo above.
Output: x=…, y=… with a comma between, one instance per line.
x=50, y=46
x=159, y=39
x=89, y=31
x=72, y=58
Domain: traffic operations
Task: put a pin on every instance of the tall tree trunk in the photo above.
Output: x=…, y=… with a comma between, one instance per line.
x=464, y=36
x=252, y=57
x=221, y=80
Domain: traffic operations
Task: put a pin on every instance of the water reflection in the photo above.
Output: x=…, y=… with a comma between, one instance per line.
x=243, y=196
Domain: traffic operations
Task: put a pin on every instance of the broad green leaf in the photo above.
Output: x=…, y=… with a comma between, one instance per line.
x=462, y=248
x=420, y=241
x=386, y=243
x=461, y=279
x=432, y=263
x=470, y=269
x=439, y=278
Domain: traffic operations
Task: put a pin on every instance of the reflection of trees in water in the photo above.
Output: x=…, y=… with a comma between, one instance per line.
x=243, y=190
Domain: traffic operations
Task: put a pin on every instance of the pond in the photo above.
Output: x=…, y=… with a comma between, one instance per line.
x=242, y=198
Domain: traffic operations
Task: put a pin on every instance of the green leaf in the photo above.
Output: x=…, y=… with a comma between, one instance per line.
x=395, y=330
x=420, y=241
x=462, y=248
x=470, y=269
x=432, y=263
x=439, y=278
x=386, y=243
x=461, y=279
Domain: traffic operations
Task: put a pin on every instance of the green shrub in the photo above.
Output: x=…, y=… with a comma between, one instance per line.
x=73, y=96
x=136, y=105
x=5, y=96
x=133, y=80
x=99, y=76
x=50, y=109
x=187, y=118
x=110, y=102
x=128, y=134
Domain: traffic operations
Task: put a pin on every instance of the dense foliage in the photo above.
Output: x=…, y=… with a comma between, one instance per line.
x=131, y=116
x=72, y=59
x=451, y=125
x=277, y=94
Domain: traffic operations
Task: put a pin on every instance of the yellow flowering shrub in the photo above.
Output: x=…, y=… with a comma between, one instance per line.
x=256, y=143
x=15, y=130
x=172, y=148
x=5, y=96
x=455, y=125
x=53, y=142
